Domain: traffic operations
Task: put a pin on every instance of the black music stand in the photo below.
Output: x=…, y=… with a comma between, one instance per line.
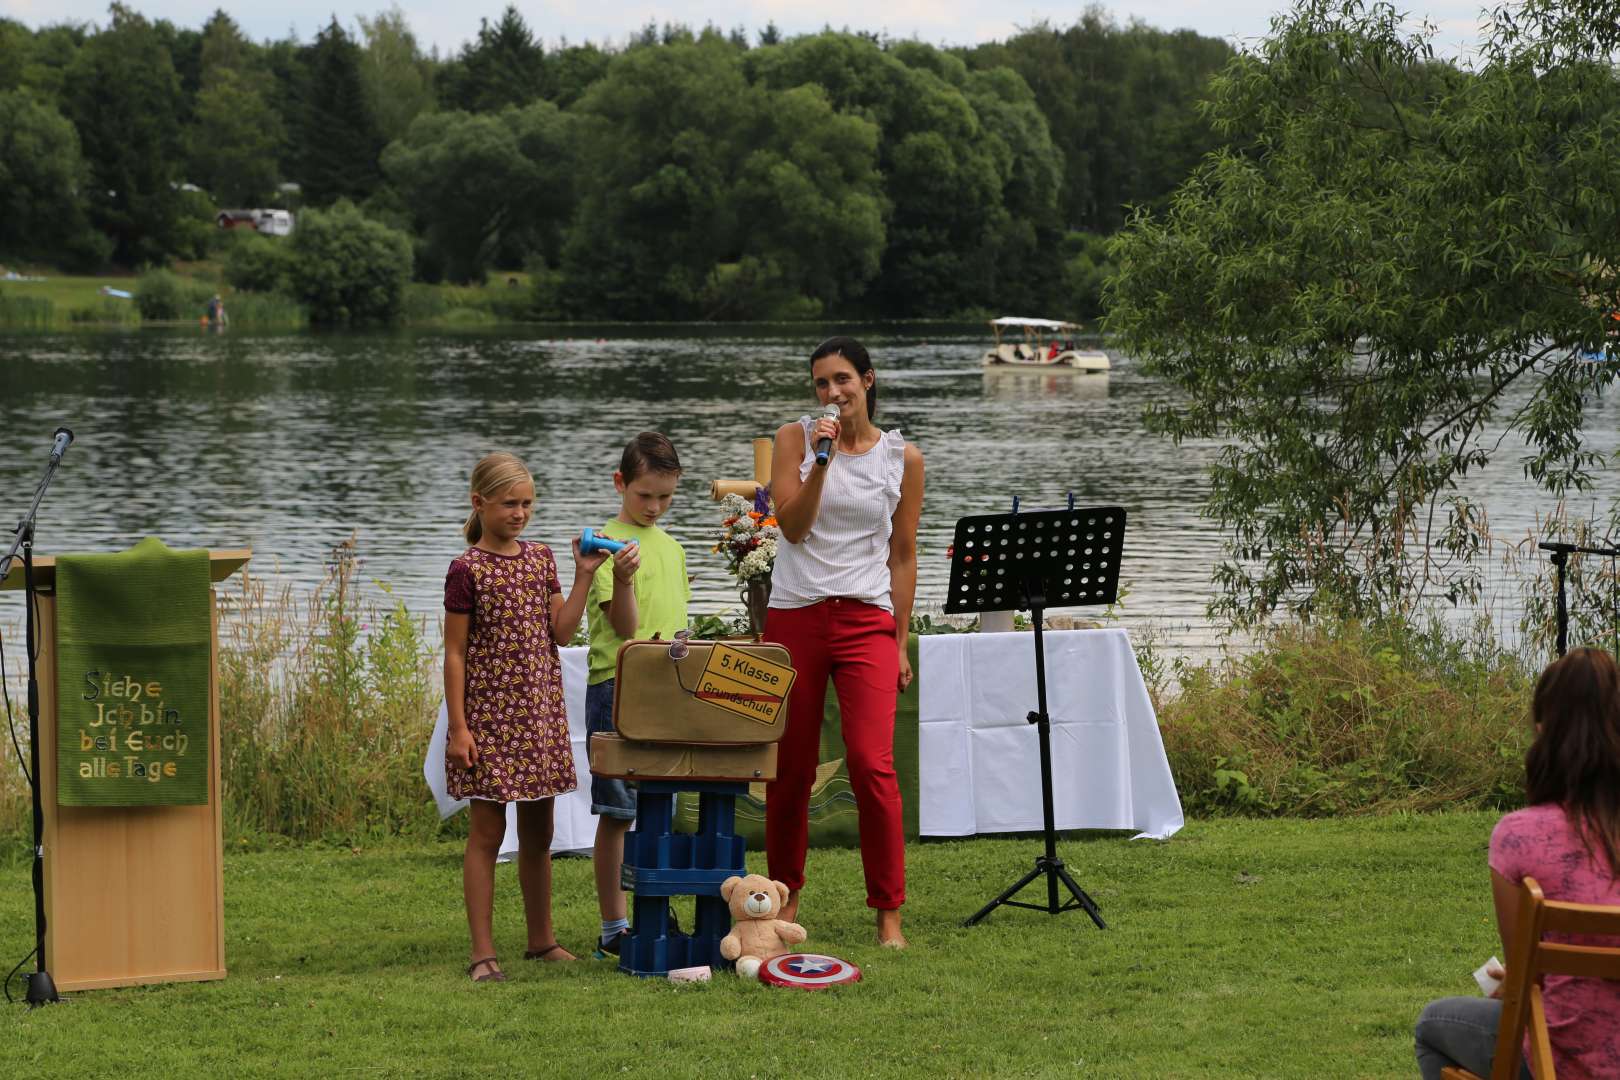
x=1049, y=558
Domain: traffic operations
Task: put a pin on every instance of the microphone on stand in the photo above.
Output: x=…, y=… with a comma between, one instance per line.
x=824, y=446
x=59, y=447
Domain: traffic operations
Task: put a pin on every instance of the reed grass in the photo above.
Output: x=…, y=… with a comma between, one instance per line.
x=326, y=704
x=1345, y=718
x=106, y=311
x=25, y=312
x=265, y=311
x=15, y=799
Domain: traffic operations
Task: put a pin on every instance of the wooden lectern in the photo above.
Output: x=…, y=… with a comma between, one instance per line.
x=133, y=894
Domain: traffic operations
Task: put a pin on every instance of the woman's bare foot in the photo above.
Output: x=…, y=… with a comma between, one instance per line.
x=790, y=910
x=553, y=953
x=888, y=930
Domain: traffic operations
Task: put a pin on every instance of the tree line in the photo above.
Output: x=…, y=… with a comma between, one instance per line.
x=684, y=174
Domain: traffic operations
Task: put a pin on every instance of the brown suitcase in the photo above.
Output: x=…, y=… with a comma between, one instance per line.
x=621, y=759
x=656, y=699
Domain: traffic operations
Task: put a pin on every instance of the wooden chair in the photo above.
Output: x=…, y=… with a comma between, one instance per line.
x=1529, y=958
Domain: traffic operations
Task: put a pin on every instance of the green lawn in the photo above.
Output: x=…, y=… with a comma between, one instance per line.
x=68, y=291
x=1239, y=948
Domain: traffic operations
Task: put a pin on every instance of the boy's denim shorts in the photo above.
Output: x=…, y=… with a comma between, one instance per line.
x=611, y=797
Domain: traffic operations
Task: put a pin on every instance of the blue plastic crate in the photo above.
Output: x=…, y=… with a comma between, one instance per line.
x=660, y=863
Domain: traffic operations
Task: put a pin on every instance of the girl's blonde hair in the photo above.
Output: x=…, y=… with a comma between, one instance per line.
x=493, y=474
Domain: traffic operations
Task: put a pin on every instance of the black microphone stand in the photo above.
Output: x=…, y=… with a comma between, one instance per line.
x=1559, y=554
x=41, y=987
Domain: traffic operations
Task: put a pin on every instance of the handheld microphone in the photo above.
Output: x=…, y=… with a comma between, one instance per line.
x=824, y=446
x=59, y=447
x=590, y=543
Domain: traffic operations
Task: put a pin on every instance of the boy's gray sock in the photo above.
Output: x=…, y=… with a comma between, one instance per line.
x=611, y=928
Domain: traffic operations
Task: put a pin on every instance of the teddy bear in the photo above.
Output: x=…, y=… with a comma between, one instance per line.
x=757, y=934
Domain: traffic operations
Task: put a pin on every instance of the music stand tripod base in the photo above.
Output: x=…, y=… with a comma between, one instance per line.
x=1055, y=872
x=1059, y=558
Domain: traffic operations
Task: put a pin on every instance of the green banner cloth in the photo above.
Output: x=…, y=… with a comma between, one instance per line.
x=833, y=822
x=132, y=671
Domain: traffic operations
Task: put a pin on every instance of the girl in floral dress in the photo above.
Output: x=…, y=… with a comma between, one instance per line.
x=504, y=614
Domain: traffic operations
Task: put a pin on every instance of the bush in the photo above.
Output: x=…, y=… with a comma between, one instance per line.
x=347, y=268
x=106, y=312
x=164, y=296
x=1350, y=719
x=257, y=263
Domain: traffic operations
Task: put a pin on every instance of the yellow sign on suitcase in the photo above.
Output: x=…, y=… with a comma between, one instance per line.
x=744, y=684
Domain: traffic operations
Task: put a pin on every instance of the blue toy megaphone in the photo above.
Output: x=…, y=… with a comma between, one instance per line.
x=590, y=543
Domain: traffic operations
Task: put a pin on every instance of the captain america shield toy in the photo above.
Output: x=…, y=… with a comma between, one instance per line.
x=808, y=971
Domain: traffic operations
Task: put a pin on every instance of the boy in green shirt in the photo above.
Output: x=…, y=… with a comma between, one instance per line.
x=640, y=593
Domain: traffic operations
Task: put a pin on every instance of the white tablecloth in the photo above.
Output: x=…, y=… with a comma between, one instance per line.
x=979, y=757
x=575, y=825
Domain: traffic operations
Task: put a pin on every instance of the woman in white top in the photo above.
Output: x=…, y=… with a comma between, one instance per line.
x=841, y=595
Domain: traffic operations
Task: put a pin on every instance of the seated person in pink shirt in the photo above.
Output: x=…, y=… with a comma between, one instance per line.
x=1568, y=839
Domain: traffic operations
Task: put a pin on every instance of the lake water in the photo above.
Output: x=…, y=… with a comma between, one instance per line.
x=290, y=443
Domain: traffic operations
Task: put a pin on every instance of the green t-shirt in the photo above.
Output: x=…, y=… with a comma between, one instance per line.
x=662, y=591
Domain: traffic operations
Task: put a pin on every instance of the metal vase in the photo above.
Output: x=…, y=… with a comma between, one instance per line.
x=756, y=597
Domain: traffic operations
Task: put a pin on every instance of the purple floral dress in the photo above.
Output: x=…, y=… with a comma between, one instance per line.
x=514, y=697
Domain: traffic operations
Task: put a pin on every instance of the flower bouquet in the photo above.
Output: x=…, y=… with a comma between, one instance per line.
x=747, y=540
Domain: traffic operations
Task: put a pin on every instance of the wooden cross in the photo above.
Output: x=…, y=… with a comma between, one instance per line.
x=719, y=489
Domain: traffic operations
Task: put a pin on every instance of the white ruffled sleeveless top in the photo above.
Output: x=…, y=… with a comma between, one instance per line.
x=846, y=551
